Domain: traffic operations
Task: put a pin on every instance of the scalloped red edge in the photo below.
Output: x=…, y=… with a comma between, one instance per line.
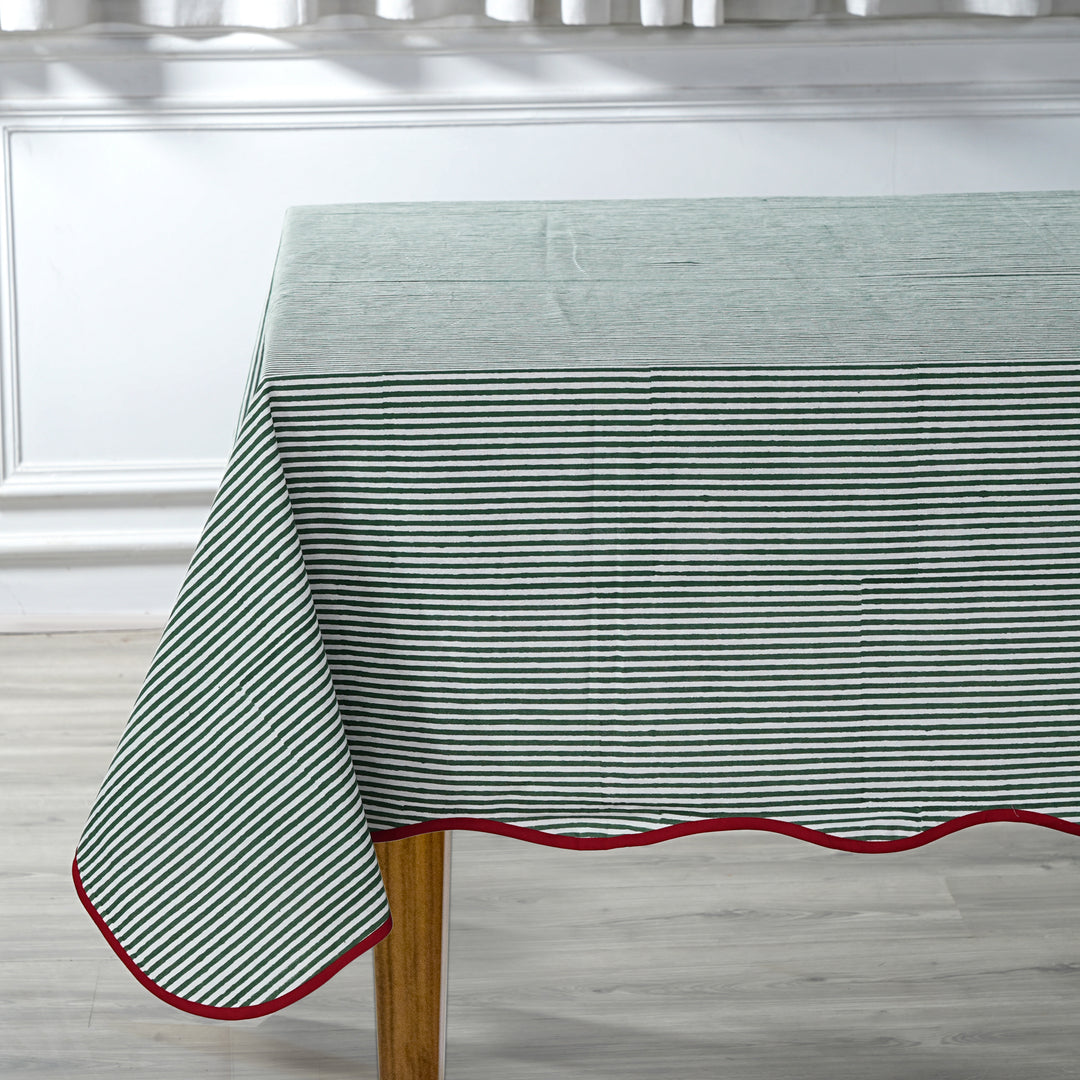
x=216, y=1012
x=690, y=828
x=593, y=843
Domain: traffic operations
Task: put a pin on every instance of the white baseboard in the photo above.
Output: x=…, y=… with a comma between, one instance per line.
x=101, y=596
x=79, y=622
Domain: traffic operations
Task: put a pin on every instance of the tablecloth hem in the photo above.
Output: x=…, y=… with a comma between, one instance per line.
x=728, y=824
x=215, y=1012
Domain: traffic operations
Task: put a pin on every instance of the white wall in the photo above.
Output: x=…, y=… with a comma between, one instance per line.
x=145, y=179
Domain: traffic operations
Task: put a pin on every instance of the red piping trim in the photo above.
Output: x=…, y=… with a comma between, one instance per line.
x=215, y=1012
x=592, y=843
x=690, y=828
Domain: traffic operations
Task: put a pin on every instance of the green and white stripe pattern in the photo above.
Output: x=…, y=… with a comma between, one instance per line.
x=227, y=851
x=839, y=596
x=600, y=518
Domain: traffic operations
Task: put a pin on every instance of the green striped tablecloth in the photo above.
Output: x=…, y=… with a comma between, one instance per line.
x=600, y=522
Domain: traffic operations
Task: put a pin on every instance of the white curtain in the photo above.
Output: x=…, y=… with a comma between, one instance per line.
x=39, y=15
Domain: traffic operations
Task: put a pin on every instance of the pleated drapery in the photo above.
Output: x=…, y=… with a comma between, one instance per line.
x=45, y=15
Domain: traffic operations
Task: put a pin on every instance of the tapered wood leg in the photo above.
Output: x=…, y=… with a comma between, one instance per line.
x=410, y=962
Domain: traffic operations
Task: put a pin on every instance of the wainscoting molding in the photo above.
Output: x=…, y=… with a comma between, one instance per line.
x=849, y=108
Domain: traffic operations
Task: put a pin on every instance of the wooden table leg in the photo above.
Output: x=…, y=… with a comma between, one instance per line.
x=410, y=962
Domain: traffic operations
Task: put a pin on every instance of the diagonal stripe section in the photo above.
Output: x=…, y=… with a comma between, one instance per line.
x=228, y=853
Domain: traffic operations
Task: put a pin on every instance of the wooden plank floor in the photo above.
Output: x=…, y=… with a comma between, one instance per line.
x=739, y=956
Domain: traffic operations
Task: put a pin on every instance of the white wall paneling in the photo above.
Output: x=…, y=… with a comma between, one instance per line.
x=145, y=179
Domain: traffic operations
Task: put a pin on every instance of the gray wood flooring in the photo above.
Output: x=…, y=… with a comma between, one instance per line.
x=738, y=956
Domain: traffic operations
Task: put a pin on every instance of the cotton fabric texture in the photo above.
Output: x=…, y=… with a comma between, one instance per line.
x=598, y=523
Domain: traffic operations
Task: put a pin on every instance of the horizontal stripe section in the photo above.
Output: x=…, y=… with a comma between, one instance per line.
x=842, y=596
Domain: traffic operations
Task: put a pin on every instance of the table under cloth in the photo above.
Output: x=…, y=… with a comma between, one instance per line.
x=597, y=523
